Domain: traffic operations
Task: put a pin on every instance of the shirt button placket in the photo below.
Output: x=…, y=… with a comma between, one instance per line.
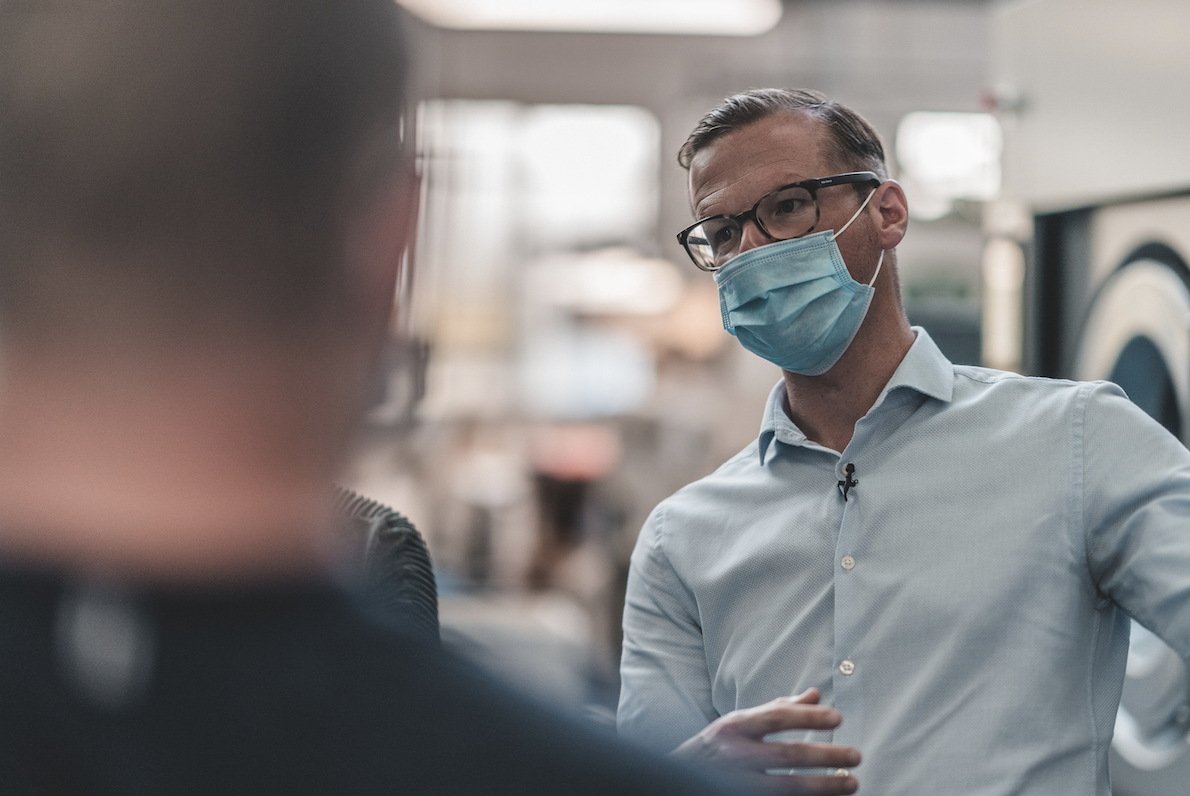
x=849, y=607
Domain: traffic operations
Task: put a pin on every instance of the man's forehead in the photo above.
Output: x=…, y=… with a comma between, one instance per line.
x=778, y=149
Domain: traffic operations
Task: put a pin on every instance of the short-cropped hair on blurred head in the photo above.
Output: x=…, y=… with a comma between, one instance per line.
x=183, y=165
x=855, y=144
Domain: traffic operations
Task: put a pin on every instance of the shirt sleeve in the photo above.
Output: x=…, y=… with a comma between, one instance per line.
x=665, y=690
x=1136, y=512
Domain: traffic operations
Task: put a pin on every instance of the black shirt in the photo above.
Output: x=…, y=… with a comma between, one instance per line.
x=289, y=689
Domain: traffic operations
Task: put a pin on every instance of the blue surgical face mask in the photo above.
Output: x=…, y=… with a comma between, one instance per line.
x=794, y=302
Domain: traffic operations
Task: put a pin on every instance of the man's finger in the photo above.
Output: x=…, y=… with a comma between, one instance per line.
x=812, y=755
x=760, y=756
x=808, y=697
x=821, y=785
x=818, y=785
x=783, y=714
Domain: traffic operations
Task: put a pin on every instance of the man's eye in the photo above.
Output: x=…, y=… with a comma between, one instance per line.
x=788, y=206
x=724, y=235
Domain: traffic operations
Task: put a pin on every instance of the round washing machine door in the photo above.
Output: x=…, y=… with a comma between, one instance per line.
x=1137, y=334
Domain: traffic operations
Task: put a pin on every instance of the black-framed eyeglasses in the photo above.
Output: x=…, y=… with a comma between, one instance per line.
x=790, y=211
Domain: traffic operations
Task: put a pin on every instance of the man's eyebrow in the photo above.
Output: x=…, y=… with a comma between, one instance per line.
x=704, y=203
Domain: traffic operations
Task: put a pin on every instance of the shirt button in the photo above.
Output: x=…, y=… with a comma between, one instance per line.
x=847, y=667
x=848, y=563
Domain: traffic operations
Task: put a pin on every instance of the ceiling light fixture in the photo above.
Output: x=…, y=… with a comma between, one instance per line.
x=691, y=17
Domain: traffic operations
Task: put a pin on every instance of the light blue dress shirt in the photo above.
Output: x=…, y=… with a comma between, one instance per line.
x=964, y=607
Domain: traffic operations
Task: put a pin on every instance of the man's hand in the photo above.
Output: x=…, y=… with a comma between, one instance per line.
x=737, y=740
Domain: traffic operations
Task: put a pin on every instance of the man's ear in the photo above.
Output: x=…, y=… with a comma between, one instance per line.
x=891, y=210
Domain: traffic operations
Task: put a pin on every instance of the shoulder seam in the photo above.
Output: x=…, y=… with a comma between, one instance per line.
x=1080, y=460
x=659, y=536
x=1008, y=375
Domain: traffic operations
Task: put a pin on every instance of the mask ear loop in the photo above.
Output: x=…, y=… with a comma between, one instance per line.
x=843, y=228
x=835, y=236
x=879, y=263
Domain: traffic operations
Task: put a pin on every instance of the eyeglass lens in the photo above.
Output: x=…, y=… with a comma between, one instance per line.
x=787, y=213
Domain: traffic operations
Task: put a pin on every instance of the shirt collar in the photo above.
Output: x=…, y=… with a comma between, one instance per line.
x=925, y=369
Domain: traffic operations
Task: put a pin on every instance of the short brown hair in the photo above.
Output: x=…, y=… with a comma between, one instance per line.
x=855, y=143
x=187, y=166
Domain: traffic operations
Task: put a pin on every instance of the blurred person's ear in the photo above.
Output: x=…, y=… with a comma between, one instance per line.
x=377, y=241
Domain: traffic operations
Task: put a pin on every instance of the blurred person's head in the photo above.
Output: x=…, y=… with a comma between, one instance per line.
x=203, y=207
x=854, y=143
x=179, y=171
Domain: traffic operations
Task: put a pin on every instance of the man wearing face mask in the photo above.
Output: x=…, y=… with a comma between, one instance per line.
x=948, y=555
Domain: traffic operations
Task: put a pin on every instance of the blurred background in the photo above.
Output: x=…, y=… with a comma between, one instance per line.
x=559, y=366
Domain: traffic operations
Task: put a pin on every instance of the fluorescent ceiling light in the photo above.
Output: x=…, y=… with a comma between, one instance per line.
x=698, y=17
x=948, y=156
